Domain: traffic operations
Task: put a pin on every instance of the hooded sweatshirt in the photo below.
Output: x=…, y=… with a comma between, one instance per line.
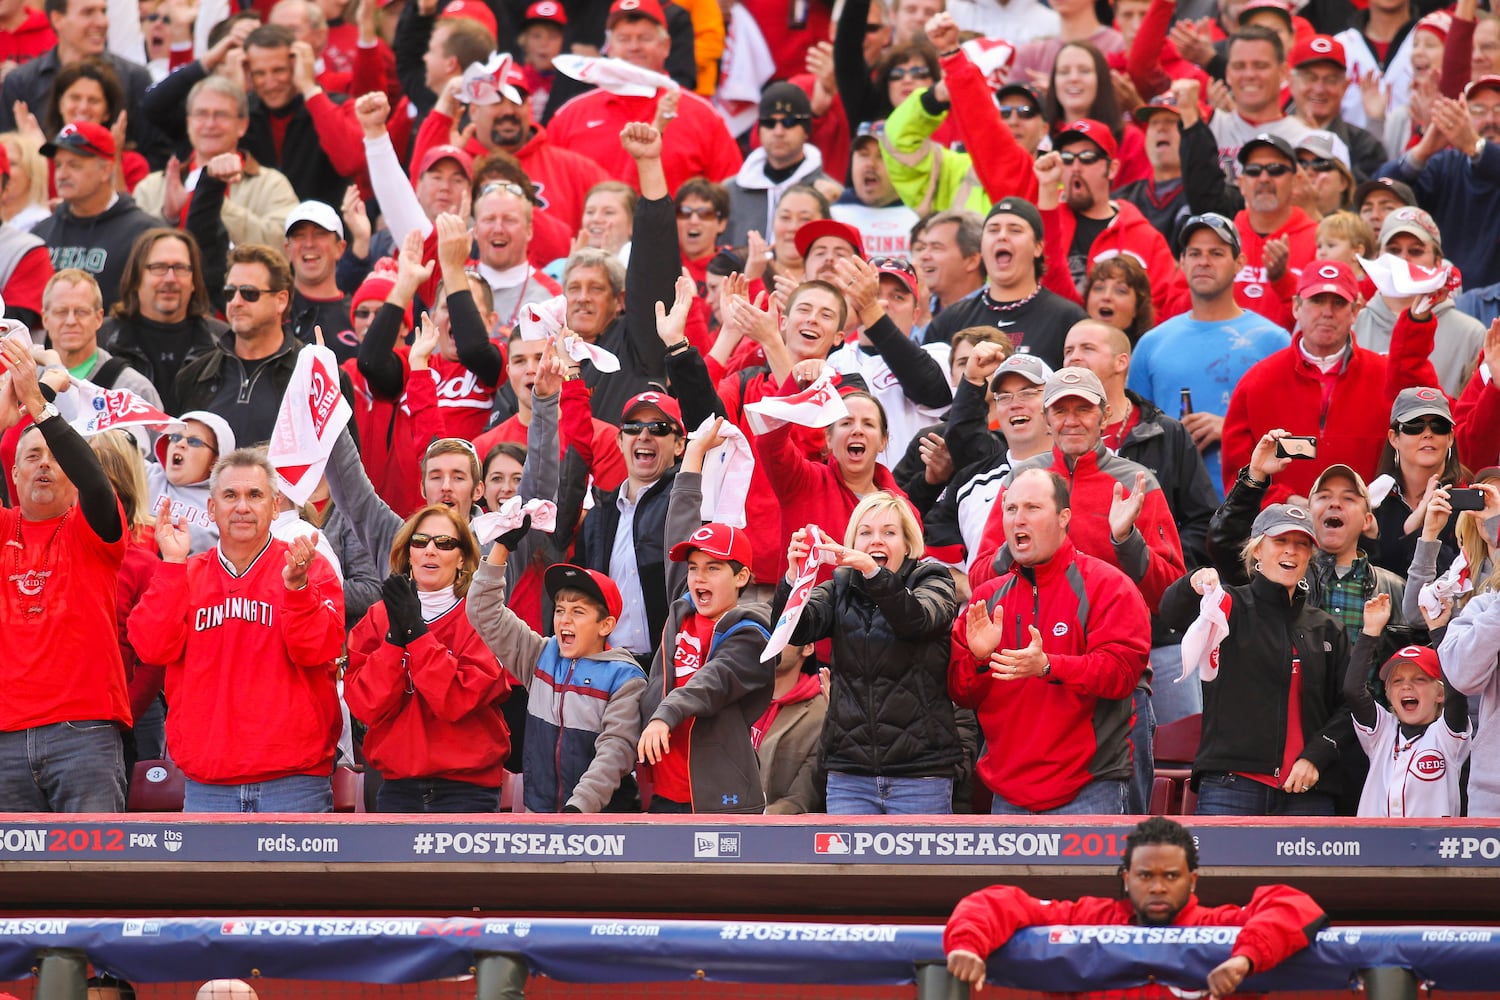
x=753, y=195
x=190, y=501
x=98, y=244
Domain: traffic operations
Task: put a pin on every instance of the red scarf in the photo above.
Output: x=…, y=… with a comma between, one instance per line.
x=806, y=688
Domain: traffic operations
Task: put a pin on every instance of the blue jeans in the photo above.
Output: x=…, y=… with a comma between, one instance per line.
x=1221, y=794
x=1098, y=798
x=297, y=793
x=1142, y=762
x=868, y=795
x=72, y=767
x=435, y=795
x=1170, y=700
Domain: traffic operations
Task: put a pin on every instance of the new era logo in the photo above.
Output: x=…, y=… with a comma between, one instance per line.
x=716, y=845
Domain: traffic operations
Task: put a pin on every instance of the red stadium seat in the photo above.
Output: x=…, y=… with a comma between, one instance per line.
x=1177, y=742
x=1189, y=801
x=1164, y=797
x=155, y=786
x=511, y=787
x=348, y=791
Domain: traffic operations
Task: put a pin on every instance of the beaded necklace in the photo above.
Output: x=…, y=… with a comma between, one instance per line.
x=31, y=585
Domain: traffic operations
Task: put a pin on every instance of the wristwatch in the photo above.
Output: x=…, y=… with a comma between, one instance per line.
x=48, y=412
x=1047, y=669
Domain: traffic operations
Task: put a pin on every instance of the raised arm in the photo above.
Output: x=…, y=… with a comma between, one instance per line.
x=398, y=199
x=652, y=274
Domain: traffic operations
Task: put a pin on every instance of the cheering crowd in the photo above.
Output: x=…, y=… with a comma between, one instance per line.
x=758, y=407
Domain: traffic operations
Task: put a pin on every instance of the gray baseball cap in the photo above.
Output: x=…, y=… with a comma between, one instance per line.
x=1078, y=382
x=1281, y=518
x=1030, y=367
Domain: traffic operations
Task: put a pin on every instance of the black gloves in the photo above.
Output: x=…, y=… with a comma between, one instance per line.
x=513, y=537
x=403, y=609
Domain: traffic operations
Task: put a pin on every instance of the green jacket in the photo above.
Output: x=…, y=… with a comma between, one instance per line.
x=928, y=176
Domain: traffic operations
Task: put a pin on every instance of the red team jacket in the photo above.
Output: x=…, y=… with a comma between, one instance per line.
x=251, y=666
x=1128, y=232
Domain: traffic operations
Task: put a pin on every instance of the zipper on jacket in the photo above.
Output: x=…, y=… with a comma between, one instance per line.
x=562, y=696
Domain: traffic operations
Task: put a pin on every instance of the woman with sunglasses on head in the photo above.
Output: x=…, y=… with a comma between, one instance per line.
x=1421, y=455
x=424, y=682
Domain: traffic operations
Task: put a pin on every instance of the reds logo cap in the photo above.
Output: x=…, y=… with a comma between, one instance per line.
x=565, y=576
x=1413, y=221
x=1281, y=519
x=655, y=397
x=1318, y=49
x=545, y=10
x=1424, y=657
x=1332, y=276
x=84, y=138
x=718, y=540
x=649, y=10
x=1086, y=128
x=1421, y=401
x=812, y=232
x=1078, y=382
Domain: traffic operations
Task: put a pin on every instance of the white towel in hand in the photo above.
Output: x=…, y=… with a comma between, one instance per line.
x=1201, y=641
x=726, y=474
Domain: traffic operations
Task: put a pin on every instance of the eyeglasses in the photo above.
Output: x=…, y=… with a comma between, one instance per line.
x=785, y=121
x=1088, y=157
x=697, y=212
x=1020, y=110
x=1253, y=170
x=871, y=29
x=159, y=270
x=1319, y=165
x=508, y=187
x=212, y=115
x=445, y=543
x=915, y=72
x=191, y=442
x=1438, y=425
x=247, y=292
x=893, y=263
x=1024, y=396
x=657, y=428
x=366, y=312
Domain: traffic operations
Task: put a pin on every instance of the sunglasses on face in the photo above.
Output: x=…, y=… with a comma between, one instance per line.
x=1019, y=110
x=697, y=212
x=915, y=72
x=363, y=313
x=1087, y=157
x=785, y=121
x=1438, y=425
x=1318, y=165
x=657, y=428
x=1253, y=170
x=247, y=292
x=445, y=543
x=191, y=442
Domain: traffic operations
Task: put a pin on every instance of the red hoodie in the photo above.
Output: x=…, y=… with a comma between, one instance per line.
x=31, y=38
x=1252, y=290
x=1128, y=232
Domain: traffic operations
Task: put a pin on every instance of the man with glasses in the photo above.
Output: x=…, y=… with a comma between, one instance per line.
x=95, y=226
x=314, y=243
x=786, y=156
x=72, y=313
x=1320, y=83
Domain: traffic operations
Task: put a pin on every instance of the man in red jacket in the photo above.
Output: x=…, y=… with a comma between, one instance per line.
x=1048, y=656
x=1159, y=874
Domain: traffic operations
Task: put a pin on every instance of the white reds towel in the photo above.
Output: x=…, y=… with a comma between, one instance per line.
x=1453, y=583
x=100, y=410
x=485, y=83
x=581, y=350
x=1400, y=278
x=1380, y=488
x=744, y=70
x=992, y=56
x=816, y=406
x=488, y=527
x=540, y=320
x=614, y=75
x=726, y=474
x=1201, y=641
x=802, y=586
x=312, y=413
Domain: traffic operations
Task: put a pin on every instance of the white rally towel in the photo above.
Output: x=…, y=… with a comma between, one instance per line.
x=1380, y=488
x=726, y=474
x=1400, y=278
x=1452, y=584
x=540, y=320
x=1201, y=641
x=488, y=527
x=992, y=56
x=312, y=413
x=100, y=409
x=802, y=586
x=581, y=350
x=816, y=406
x=614, y=75
x=485, y=83
x=744, y=70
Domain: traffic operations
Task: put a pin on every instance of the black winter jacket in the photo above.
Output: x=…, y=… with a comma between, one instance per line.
x=1245, y=707
x=596, y=541
x=140, y=343
x=889, y=713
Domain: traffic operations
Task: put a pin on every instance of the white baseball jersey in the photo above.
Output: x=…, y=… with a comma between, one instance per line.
x=1411, y=777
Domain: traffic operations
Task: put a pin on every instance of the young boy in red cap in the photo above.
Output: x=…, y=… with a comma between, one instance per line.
x=707, y=683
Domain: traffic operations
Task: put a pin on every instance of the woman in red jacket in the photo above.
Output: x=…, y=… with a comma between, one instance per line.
x=424, y=682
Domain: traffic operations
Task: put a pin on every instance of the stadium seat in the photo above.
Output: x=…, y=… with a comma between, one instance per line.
x=1189, y=801
x=348, y=790
x=1164, y=797
x=510, y=793
x=155, y=786
x=1177, y=742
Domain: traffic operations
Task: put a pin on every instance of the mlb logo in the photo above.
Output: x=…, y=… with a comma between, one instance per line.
x=234, y=928
x=1062, y=935
x=831, y=843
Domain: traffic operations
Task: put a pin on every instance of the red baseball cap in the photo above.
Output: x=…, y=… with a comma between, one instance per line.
x=658, y=399
x=718, y=540
x=815, y=230
x=561, y=576
x=1319, y=48
x=545, y=10
x=648, y=9
x=898, y=268
x=1424, y=657
x=435, y=154
x=1489, y=80
x=474, y=10
x=1096, y=132
x=86, y=138
x=1332, y=276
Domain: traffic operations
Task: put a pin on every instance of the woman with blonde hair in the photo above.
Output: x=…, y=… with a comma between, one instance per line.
x=23, y=199
x=424, y=682
x=890, y=743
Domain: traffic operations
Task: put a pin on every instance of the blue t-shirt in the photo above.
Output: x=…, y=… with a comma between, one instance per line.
x=1208, y=358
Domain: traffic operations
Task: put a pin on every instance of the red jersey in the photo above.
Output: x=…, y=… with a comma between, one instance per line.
x=251, y=666
x=57, y=613
x=697, y=144
x=691, y=648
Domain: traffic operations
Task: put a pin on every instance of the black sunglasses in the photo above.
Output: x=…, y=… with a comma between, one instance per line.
x=915, y=72
x=1253, y=170
x=697, y=212
x=1020, y=110
x=785, y=121
x=445, y=543
x=1319, y=165
x=192, y=442
x=1438, y=425
x=658, y=428
x=896, y=263
x=247, y=292
x=1087, y=157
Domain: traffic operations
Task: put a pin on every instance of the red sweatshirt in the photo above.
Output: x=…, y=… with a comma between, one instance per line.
x=1001, y=163
x=1128, y=232
x=433, y=707
x=251, y=666
x=33, y=37
x=1252, y=290
x=393, y=438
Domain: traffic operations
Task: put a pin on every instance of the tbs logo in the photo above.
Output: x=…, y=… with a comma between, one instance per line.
x=716, y=845
x=831, y=843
